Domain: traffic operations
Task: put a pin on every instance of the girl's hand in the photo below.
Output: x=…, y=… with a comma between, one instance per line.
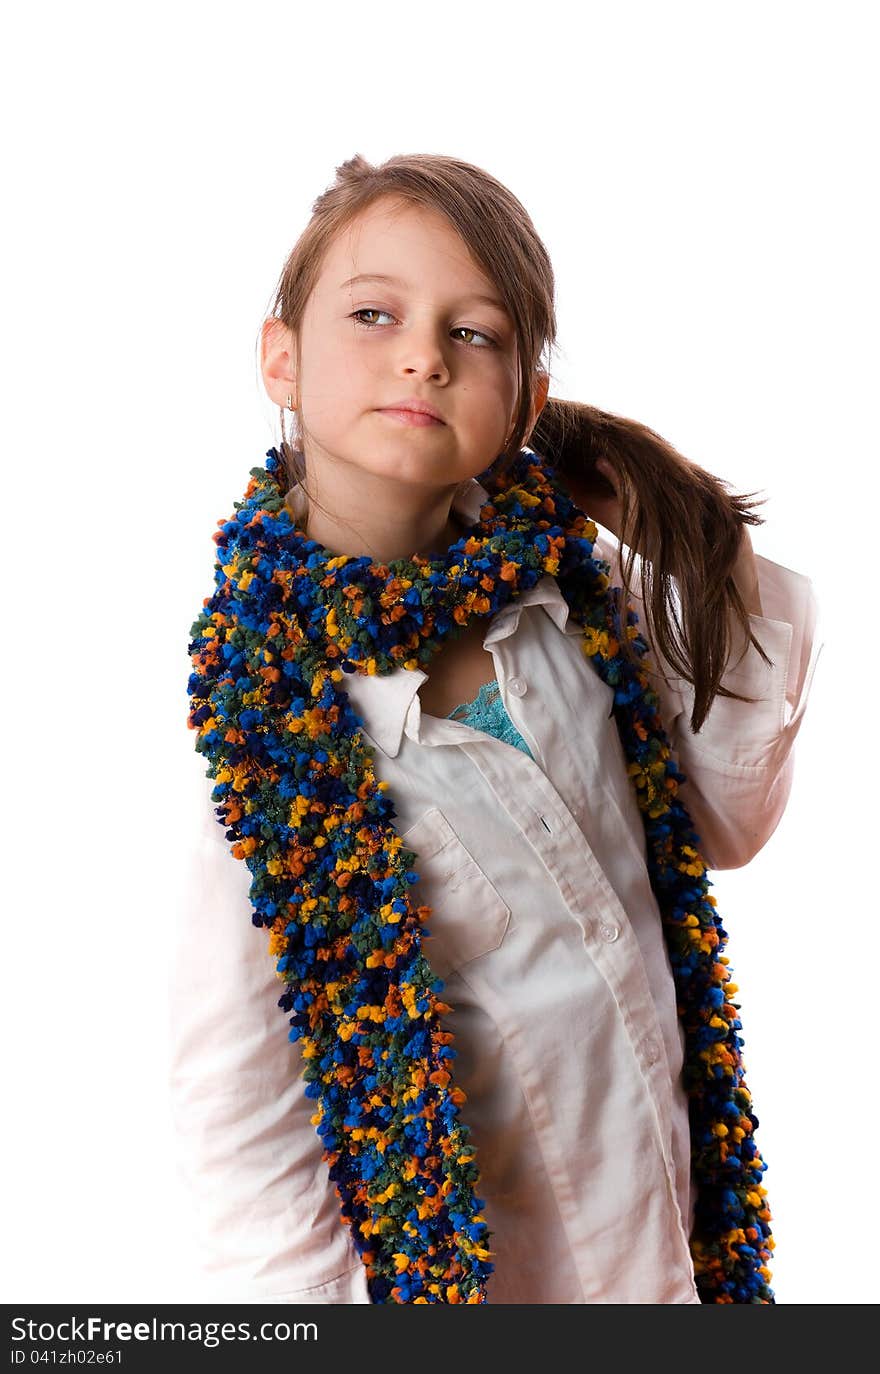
x=599, y=503
x=601, y=506
x=599, y=496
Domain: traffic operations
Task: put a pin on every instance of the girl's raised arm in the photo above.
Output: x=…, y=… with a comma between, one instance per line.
x=267, y=1213
x=740, y=765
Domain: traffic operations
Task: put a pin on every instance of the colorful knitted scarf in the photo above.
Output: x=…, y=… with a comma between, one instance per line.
x=297, y=796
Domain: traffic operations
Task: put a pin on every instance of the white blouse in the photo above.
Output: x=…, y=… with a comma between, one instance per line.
x=547, y=934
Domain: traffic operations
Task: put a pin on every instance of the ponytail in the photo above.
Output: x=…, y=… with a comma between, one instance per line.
x=682, y=522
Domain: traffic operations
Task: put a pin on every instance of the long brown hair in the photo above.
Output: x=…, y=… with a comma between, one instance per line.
x=680, y=518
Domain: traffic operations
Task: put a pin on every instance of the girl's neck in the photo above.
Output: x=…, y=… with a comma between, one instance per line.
x=451, y=533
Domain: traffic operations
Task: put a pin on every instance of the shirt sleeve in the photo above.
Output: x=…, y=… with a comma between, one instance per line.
x=740, y=765
x=267, y=1214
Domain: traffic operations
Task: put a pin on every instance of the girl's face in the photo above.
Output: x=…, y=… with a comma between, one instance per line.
x=434, y=329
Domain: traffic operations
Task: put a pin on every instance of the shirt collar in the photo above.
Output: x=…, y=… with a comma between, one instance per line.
x=383, y=701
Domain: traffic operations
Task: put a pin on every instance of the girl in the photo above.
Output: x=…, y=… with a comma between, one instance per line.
x=476, y=790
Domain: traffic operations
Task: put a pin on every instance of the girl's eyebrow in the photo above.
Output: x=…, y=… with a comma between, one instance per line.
x=396, y=281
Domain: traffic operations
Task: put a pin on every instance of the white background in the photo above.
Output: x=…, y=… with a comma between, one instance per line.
x=701, y=176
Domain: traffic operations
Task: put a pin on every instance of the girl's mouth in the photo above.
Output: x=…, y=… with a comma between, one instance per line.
x=411, y=417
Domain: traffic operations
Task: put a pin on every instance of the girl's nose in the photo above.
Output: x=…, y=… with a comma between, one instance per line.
x=423, y=349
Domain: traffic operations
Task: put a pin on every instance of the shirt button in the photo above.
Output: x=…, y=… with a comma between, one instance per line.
x=608, y=931
x=518, y=686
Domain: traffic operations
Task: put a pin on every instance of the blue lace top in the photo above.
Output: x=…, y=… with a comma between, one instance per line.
x=486, y=712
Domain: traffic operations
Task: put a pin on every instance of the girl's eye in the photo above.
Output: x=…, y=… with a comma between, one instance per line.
x=374, y=310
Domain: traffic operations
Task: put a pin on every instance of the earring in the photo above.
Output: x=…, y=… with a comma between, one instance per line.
x=290, y=405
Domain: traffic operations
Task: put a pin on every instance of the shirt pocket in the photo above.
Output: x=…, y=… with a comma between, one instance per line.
x=468, y=916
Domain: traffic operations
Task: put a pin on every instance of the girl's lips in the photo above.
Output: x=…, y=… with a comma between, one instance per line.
x=410, y=417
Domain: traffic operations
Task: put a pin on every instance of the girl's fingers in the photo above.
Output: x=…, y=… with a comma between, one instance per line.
x=607, y=471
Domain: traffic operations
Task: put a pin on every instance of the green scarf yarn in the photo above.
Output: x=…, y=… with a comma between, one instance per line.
x=298, y=798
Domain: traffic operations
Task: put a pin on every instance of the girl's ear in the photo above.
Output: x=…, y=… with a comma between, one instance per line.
x=542, y=387
x=541, y=391
x=277, y=361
